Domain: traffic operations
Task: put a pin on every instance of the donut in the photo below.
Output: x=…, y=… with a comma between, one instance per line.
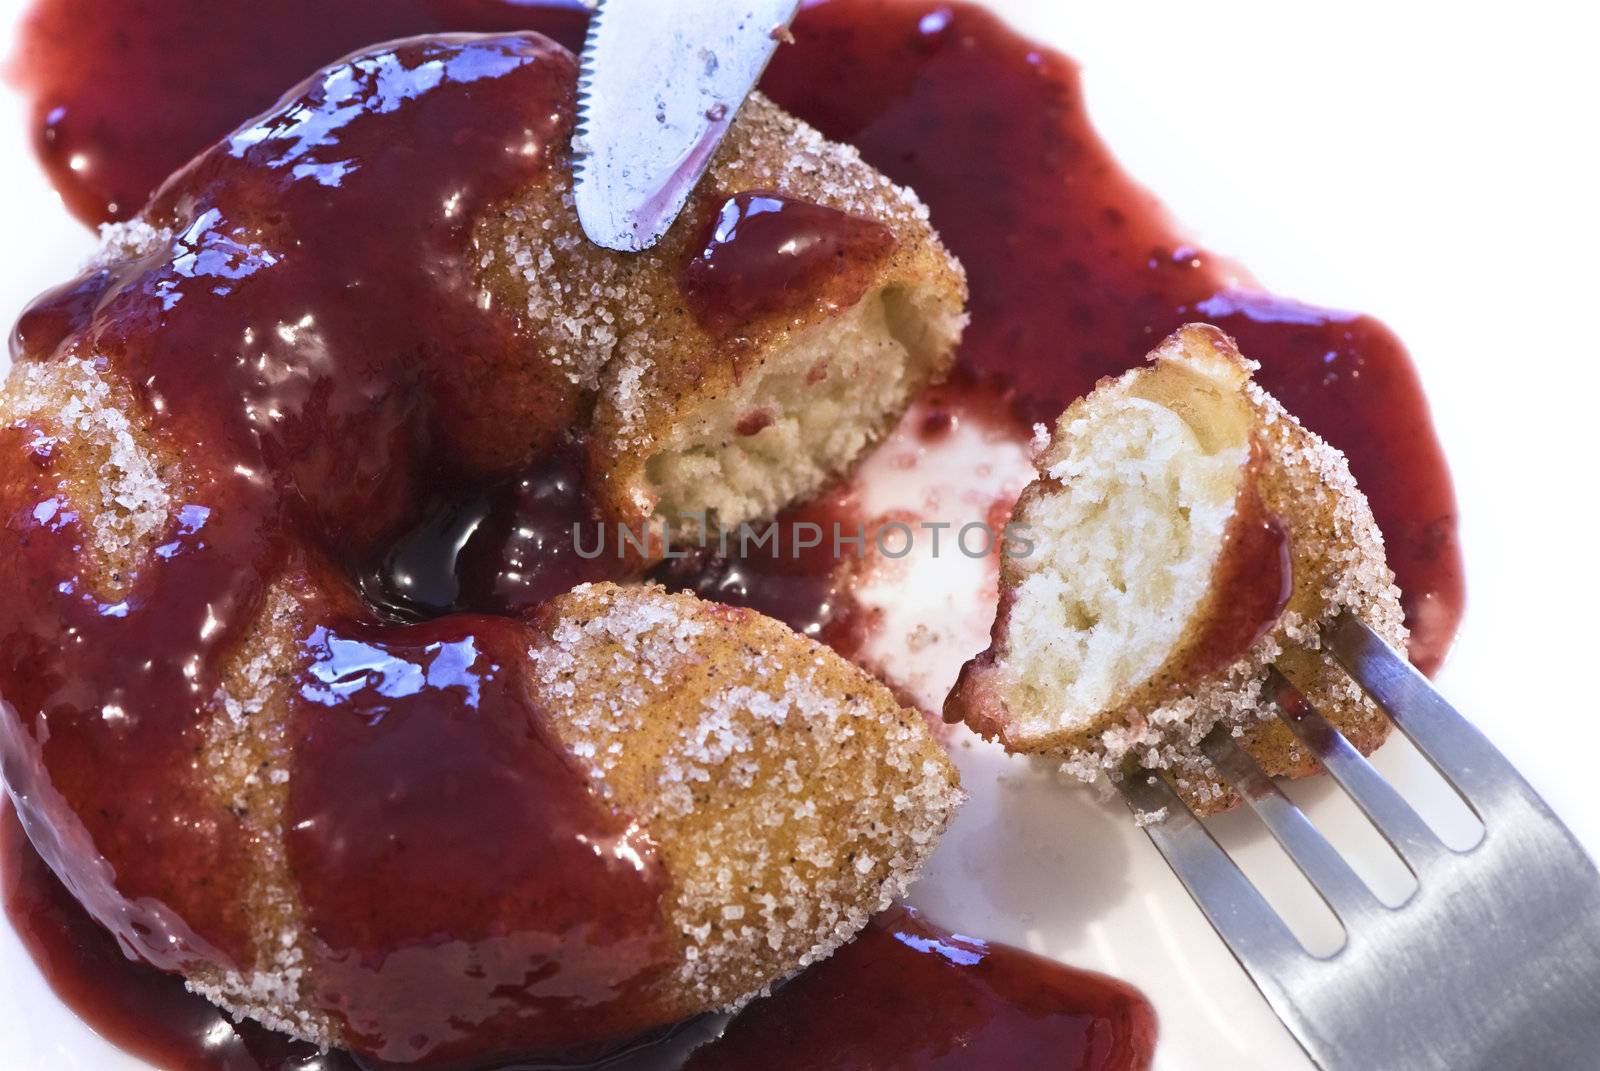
x=1185, y=534
x=758, y=377
x=441, y=838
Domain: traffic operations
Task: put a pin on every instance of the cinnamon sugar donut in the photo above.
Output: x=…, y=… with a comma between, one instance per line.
x=464, y=837
x=1189, y=533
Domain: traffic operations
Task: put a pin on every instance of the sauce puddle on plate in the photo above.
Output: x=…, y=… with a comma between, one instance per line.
x=1075, y=273
x=904, y=994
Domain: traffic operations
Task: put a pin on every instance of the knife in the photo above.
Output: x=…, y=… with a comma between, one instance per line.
x=659, y=85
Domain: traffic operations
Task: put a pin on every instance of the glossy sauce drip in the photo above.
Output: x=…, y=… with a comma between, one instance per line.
x=312, y=336
x=448, y=853
x=903, y=994
x=500, y=550
x=801, y=586
x=766, y=253
x=124, y=93
x=1256, y=569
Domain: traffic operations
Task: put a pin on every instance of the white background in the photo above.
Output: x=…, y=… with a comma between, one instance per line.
x=1462, y=211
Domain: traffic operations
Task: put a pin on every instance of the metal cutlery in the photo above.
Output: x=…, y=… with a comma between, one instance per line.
x=659, y=85
x=1494, y=960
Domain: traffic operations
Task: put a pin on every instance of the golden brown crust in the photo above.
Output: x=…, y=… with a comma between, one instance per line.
x=246, y=762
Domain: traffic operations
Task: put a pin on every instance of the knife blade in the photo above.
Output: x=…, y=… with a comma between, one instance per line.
x=659, y=84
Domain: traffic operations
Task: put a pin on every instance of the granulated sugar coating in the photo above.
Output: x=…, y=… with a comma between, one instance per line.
x=790, y=795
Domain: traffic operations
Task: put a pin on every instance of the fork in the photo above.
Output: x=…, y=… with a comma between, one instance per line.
x=1492, y=962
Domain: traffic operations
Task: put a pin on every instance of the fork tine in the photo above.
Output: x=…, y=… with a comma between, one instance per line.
x=1339, y=886
x=1253, y=931
x=1401, y=827
x=1452, y=744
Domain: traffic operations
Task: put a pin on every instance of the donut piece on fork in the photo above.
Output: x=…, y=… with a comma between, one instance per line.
x=1188, y=534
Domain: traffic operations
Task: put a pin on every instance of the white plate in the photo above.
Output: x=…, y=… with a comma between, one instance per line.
x=1439, y=174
